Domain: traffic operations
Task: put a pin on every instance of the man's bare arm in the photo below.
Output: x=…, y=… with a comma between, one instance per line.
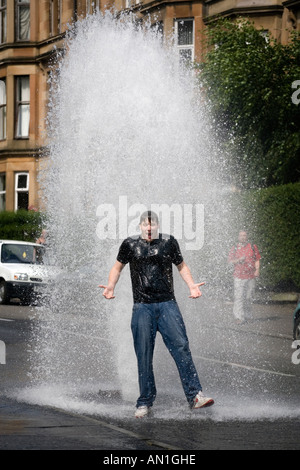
x=186, y=275
x=113, y=278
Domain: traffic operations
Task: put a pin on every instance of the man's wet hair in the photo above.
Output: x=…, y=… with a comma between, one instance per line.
x=149, y=215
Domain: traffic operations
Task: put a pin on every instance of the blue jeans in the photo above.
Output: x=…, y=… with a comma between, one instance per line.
x=166, y=318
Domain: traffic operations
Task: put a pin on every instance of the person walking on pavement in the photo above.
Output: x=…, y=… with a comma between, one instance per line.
x=246, y=261
x=150, y=256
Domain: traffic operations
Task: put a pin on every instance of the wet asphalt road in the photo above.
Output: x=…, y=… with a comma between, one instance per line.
x=266, y=415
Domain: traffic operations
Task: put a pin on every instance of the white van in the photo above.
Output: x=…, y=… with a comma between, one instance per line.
x=24, y=270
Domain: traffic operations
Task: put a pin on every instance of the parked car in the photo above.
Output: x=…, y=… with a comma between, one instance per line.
x=296, y=316
x=24, y=270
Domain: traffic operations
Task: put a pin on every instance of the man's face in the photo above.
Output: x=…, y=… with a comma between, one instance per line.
x=149, y=229
x=243, y=238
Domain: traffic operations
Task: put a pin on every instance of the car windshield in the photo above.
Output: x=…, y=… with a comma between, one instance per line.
x=25, y=254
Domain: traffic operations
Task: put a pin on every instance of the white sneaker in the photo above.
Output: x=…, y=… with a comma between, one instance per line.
x=200, y=401
x=142, y=411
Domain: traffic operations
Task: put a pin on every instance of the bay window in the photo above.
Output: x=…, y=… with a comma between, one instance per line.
x=22, y=11
x=2, y=109
x=22, y=107
x=3, y=27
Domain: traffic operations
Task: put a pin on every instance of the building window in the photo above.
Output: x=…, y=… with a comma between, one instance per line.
x=2, y=21
x=184, y=33
x=22, y=20
x=266, y=35
x=22, y=107
x=2, y=192
x=54, y=17
x=132, y=3
x=89, y=7
x=75, y=10
x=2, y=109
x=21, y=191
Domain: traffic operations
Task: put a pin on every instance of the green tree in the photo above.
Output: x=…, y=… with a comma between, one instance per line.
x=21, y=225
x=247, y=79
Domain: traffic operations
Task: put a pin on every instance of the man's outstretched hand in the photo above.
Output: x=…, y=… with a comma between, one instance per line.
x=195, y=291
x=108, y=292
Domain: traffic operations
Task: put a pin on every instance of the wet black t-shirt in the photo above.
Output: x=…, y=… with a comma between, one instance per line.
x=151, y=267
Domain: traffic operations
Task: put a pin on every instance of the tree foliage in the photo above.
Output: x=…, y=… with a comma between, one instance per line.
x=270, y=216
x=247, y=78
x=21, y=225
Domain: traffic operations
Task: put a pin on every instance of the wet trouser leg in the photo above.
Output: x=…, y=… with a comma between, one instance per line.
x=166, y=318
x=243, y=295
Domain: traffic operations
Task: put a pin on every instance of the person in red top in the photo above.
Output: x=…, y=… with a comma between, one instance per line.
x=246, y=261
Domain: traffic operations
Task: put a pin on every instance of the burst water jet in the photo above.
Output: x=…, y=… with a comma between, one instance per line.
x=125, y=121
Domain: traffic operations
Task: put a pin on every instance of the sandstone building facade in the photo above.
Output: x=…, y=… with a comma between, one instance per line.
x=31, y=29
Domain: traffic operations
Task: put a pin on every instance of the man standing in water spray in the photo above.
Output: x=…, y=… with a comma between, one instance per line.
x=150, y=256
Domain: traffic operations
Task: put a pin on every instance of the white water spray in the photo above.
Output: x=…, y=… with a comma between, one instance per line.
x=126, y=124
x=125, y=121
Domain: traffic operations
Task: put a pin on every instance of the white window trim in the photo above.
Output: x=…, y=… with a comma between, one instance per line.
x=3, y=111
x=187, y=46
x=3, y=192
x=20, y=190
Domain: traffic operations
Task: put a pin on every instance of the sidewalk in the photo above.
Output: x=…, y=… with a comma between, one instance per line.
x=276, y=297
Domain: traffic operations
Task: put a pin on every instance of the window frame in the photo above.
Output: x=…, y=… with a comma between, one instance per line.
x=18, y=5
x=21, y=190
x=19, y=104
x=3, y=193
x=187, y=46
x=55, y=7
x=3, y=112
x=3, y=21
